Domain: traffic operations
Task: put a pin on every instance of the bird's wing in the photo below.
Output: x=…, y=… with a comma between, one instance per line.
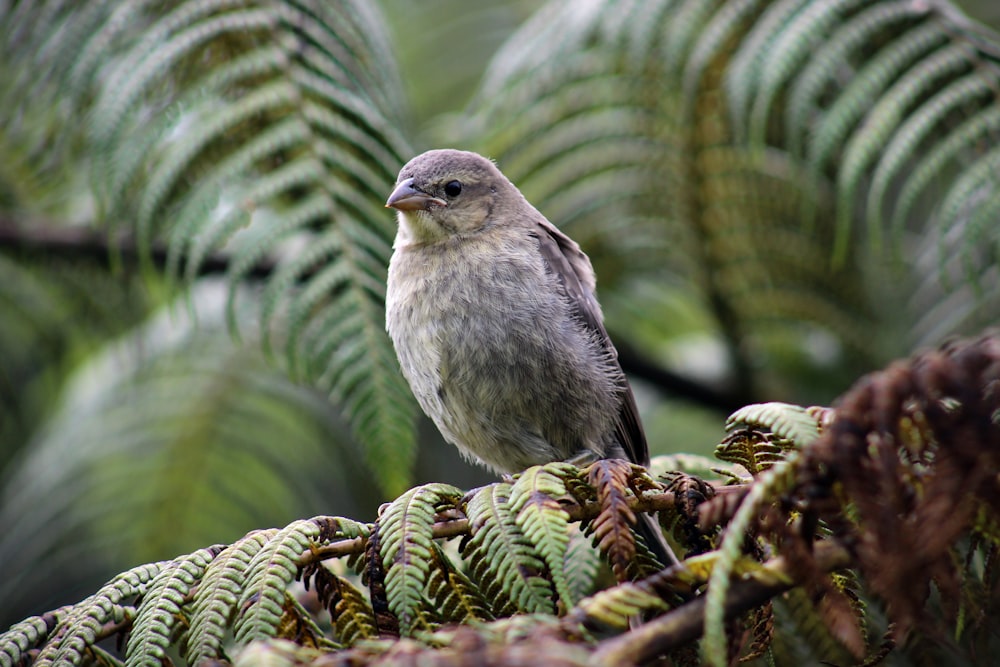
x=566, y=261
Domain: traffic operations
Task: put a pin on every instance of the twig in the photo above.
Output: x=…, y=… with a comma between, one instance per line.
x=686, y=623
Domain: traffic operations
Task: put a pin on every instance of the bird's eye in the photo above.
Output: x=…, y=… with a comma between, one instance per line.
x=453, y=188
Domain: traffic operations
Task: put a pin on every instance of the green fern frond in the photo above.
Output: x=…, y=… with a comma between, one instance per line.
x=768, y=486
x=788, y=421
x=534, y=500
x=501, y=559
x=406, y=550
x=583, y=565
x=823, y=69
x=154, y=625
x=614, y=608
x=218, y=593
x=79, y=628
x=29, y=634
x=235, y=128
x=788, y=51
x=268, y=574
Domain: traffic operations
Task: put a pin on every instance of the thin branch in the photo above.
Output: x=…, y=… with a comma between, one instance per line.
x=454, y=527
x=678, y=386
x=685, y=624
x=87, y=243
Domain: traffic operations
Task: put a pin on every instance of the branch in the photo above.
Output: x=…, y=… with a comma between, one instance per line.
x=453, y=527
x=86, y=243
x=686, y=623
x=680, y=387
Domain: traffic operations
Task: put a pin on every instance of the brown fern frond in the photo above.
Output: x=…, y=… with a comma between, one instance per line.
x=690, y=495
x=761, y=626
x=718, y=510
x=612, y=527
x=374, y=577
x=907, y=467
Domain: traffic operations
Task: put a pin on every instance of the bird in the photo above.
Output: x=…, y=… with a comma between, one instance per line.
x=493, y=314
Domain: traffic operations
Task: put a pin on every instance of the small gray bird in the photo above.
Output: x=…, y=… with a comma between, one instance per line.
x=495, y=322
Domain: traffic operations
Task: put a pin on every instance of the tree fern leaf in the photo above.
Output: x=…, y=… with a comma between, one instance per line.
x=406, y=550
x=976, y=187
x=382, y=152
x=293, y=128
x=219, y=591
x=175, y=37
x=982, y=125
x=612, y=527
x=79, y=627
x=742, y=77
x=268, y=574
x=614, y=608
x=786, y=54
x=825, y=69
x=789, y=421
x=918, y=127
x=684, y=27
x=712, y=42
x=29, y=634
x=582, y=565
x=456, y=598
x=283, y=136
x=587, y=84
x=351, y=614
x=643, y=29
x=501, y=559
x=534, y=499
x=871, y=81
x=768, y=486
x=62, y=29
x=160, y=609
x=867, y=143
x=103, y=37
x=176, y=162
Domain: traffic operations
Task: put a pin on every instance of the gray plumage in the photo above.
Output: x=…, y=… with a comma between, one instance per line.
x=494, y=318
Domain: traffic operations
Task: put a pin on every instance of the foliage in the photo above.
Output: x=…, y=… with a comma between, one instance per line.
x=777, y=196
x=923, y=432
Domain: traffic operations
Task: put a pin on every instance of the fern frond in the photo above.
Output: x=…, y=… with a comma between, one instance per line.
x=783, y=419
x=240, y=129
x=153, y=627
x=271, y=569
x=612, y=527
x=406, y=550
x=351, y=613
x=615, y=608
x=29, y=634
x=218, y=593
x=501, y=559
x=583, y=565
x=456, y=598
x=534, y=499
x=79, y=628
x=764, y=434
x=768, y=486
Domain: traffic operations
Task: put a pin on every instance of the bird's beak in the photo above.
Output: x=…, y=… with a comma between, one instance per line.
x=406, y=197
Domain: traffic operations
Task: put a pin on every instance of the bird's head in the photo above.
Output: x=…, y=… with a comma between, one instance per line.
x=442, y=193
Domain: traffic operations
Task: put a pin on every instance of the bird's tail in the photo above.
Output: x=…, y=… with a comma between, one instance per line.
x=649, y=529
